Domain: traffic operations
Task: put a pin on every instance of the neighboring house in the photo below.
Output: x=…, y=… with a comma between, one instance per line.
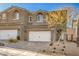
x=30, y=26
x=77, y=29
x=72, y=32
x=69, y=34
x=74, y=27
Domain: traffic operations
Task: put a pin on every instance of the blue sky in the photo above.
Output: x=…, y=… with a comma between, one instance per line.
x=43, y=6
x=36, y=6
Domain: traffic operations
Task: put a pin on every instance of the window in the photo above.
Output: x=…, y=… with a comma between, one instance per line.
x=30, y=18
x=17, y=16
x=0, y=16
x=74, y=29
x=40, y=17
x=3, y=16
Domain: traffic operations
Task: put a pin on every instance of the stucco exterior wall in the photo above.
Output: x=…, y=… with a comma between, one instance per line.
x=22, y=25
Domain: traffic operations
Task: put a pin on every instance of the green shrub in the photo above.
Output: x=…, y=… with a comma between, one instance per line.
x=13, y=40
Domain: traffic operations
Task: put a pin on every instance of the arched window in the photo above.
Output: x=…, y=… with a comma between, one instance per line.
x=40, y=17
x=17, y=16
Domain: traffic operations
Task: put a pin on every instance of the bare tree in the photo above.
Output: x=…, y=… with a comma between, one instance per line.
x=61, y=19
x=57, y=20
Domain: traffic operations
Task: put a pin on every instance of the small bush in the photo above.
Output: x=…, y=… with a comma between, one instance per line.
x=43, y=50
x=62, y=49
x=53, y=51
x=18, y=37
x=2, y=44
x=64, y=46
x=63, y=43
x=13, y=40
x=50, y=44
x=54, y=48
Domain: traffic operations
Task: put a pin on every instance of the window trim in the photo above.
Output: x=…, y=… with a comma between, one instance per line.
x=40, y=17
x=30, y=18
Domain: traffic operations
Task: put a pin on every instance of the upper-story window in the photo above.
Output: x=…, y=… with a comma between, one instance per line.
x=30, y=18
x=4, y=16
x=40, y=17
x=17, y=16
x=0, y=17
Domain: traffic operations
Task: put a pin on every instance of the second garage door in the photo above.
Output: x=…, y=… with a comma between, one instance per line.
x=39, y=36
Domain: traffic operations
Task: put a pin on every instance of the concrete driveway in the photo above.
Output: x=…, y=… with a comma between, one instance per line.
x=23, y=48
x=34, y=48
x=30, y=46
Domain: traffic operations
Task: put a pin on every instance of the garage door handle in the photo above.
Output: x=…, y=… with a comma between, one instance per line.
x=38, y=36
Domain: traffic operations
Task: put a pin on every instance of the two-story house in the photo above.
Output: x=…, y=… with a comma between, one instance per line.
x=12, y=23
x=29, y=26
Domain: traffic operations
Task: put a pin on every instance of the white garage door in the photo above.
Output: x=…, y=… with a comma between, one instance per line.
x=39, y=36
x=7, y=34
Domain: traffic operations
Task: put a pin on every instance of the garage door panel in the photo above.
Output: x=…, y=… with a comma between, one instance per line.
x=40, y=36
x=7, y=34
